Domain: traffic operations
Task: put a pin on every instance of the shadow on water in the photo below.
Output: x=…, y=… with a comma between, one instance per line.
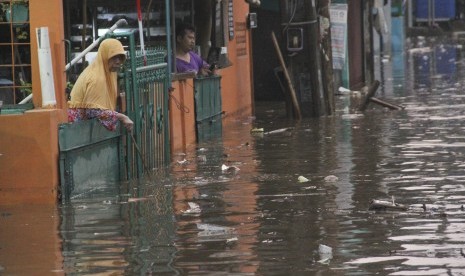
x=235, y=206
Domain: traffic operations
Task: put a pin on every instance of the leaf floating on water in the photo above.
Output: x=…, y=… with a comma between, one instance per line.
x=302, y=179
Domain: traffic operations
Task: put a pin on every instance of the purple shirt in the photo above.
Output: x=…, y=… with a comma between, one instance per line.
x=193, y=66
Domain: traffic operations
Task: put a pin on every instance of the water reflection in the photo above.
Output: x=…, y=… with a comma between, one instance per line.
x=129, y=231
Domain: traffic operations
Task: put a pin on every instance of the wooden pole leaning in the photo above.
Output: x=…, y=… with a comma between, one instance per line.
x=295, y=104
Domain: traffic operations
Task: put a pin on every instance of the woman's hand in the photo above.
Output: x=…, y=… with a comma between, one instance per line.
x=126, y=121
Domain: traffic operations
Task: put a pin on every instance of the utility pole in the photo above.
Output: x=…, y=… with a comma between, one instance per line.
x=368, y=42
x=326, y=54
x=309, y=54
x=317, y=92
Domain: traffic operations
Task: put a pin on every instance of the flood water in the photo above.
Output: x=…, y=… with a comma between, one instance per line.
x=254, y=216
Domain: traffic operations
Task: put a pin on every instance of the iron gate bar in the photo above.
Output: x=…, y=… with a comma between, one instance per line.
x=146, y=86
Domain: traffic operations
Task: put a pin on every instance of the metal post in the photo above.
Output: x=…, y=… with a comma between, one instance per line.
x=168, y=79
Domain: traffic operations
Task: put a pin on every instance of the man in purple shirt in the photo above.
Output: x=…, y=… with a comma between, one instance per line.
x=186, y=59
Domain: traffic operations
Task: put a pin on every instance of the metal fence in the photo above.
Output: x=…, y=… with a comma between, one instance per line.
x=145, y=80
x=208, y=106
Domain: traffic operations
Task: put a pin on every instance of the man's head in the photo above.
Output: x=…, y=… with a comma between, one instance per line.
x=185, y=37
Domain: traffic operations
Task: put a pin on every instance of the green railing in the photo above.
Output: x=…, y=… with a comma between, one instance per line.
x=89, y=158
x=145, y=80
x=208, y=107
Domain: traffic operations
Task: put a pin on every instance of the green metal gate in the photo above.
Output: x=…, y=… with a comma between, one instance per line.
x=90, y=154
x=208, y=107
x=89, y=157
x=145, y=80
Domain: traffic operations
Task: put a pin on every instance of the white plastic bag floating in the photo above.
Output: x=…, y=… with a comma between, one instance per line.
x=331, y=178
x=229, y=169
x=326, y=254
x=194, y=208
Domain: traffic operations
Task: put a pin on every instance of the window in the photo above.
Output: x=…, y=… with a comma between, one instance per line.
x=15, y=51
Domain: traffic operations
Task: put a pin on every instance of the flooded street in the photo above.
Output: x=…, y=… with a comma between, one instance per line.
x=242, y=205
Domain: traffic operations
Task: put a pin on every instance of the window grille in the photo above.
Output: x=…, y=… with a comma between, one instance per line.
x=15, y=51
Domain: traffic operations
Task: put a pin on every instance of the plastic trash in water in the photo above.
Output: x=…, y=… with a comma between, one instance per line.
x=202, y=158
x=194, y=208
x=182, y=162
x=343, y=90
x=232, y=240
x=331, y=178
x=326, y=254
x=229, y=168
x=212, y=232
x=302, y=179
x=257, y=130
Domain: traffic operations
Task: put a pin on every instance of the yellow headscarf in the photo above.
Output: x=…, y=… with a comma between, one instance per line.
x=96, y=87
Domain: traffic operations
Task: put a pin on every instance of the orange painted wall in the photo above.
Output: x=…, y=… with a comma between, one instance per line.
x=182, y=116
x=236, y=80
x=29, y=157
x=29, y=143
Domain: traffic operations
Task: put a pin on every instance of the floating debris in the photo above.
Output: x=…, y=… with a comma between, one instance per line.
x=257, y=130
x=281, y=130
x=211, y=232
x=326, y=254
x=420, y=50
x=232, y=240
x=386, y=205
x=331, y=178
x=137, y=199
x=202, y=158
x=229, y=168
x=182, y=162
x=302, y=179
x=194, y=208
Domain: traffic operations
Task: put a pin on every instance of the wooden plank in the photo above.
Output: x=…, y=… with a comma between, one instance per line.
x=296, y=106
x=386, y=104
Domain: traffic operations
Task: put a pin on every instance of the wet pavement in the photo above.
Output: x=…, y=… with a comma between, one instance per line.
x=288, y=203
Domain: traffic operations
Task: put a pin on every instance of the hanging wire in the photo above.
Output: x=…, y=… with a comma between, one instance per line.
x=293, y=8
x=178, y=104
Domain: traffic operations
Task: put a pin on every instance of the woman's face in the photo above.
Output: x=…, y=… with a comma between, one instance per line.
x=115, y=63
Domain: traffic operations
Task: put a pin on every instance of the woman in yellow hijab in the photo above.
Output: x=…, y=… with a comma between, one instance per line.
x=95, y=92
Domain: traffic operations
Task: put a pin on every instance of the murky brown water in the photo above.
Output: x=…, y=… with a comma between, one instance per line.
x=256, y=218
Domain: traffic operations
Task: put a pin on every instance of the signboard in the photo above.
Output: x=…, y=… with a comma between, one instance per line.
x=338, y=17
